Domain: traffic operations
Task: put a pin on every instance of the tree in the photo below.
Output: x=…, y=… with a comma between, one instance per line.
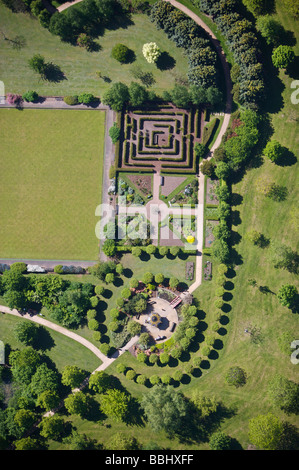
x=114, y=403
x=274, y=151
x=24, y=419
x=122, y=441
x=266, y=431
x=259, y=7
x=100, y=381
x=116, y=96
x=26, y=332
x=208, y=168
x=236, y=376
x=77, y=403
x=284, y=394
x=134, y=328
x=99, y=289
x=52, y=427
x=180, y=96
x=48, y=400
x=222, y=170
x=121, y=53
x=283, y=56
x=205, y=406
x=136, y=251
x=151, y=52
x=109, y=247
x=72, y=376
x=38, y=64
x=44, y=379
x=283, y=257
x=164, y=408
x=220, y=441
x=24, y=363
x=287, y=295
x=138, y=94
x=271, y=29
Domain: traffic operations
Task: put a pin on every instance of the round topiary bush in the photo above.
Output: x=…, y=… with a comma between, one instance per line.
x=93, y=324
x=121, y=53
x=154, y=379
x=105, y=349
x=141, y=379
x=121, y=368
x=131, y=374
x=97, y=335
x=91, y=314
x=71, y=100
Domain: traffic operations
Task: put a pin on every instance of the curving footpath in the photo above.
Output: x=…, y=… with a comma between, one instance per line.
x=106, y=361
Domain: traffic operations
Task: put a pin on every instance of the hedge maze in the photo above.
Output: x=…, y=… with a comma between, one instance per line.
x=159, y=140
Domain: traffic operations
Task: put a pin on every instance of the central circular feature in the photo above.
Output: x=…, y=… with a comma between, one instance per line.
x=155, y=319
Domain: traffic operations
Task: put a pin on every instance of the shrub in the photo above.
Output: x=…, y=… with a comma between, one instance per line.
x=109, y=247
x=274, y=151
x=151, y=249
x=148, y=278
x=153, y=358
x=91, y=314
x=105, y=349
x=219, y=303
x=126, y=293
x=163, y=250
x=71, y=100
x=166, y=379
x=97, y=335
x=141, y=379
x=121, y=53
x=113, y=326
x=114, y=133
x=121, y=368
x=30, y=96
x=86, y=98
x=164, y=358
x=136, y=251
x=177, y=375
x=141, y=357
x=99, y=290
x=154, y=379
x=131, y=374
x=94, y=300
x=151, y=52
x=236, y=376
x=93, y=324
x=220, y=441
x=159, y=278
x=14, y=99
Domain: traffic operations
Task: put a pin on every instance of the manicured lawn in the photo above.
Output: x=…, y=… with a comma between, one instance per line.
x=78, y=65
x=60, y=349
x=51, y=180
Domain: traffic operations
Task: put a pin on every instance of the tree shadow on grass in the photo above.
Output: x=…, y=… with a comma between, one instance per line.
x=165, y=61
x=288, y=158
x=53, y=73
x=44, y=341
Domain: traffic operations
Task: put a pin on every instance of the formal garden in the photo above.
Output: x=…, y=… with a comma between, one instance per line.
x=210, y=367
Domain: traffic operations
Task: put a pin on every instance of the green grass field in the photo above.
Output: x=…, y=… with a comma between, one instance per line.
x=51, y=183
x=78, y=65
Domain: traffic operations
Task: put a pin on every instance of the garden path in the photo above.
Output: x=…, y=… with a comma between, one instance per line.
x=106, y=361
